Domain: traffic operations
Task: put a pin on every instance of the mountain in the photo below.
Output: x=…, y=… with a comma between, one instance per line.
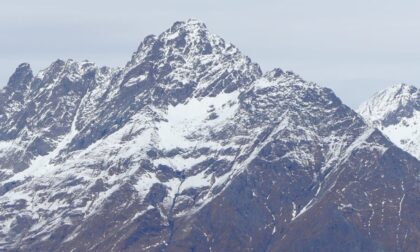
x=190, y=147
x=396, y=112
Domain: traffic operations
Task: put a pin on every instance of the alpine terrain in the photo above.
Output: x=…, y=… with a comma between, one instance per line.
x=396, y=112
x=190, y=147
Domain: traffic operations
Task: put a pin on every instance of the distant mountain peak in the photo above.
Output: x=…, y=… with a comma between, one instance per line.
x=390, y=105
x=396, y=112
x=401, y=92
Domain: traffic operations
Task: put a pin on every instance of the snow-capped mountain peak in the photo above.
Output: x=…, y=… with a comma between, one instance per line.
x=396, y=112
x=390, y=105
x=189, y=41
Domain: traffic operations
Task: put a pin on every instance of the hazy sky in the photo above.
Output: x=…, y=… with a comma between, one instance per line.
x=354, y=47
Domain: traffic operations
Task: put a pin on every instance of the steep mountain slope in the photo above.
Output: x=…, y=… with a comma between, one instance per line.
x=190, y=147
x=396, y=112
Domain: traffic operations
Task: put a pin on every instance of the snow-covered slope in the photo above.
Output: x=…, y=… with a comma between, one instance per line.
x=396, y=112
x=191, y=147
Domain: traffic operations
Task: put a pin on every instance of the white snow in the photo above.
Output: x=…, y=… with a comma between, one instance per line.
x=196, y=181
x=193, y=117
x=135, y=81
x=294, y=211
x=179, y=162
x=406, y=134
x=145, y=182
x=263, y=83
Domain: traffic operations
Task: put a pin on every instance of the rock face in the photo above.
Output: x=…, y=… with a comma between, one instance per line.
x=396, y=112
x=190, y=147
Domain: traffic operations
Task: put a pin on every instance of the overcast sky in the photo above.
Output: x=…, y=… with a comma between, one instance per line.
x=354, y=47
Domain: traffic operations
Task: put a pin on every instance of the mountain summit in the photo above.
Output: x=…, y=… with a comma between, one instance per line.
x=190, y=147
x=396, y=112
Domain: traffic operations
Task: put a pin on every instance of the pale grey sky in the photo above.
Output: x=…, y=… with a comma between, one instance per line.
x=354, y=47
